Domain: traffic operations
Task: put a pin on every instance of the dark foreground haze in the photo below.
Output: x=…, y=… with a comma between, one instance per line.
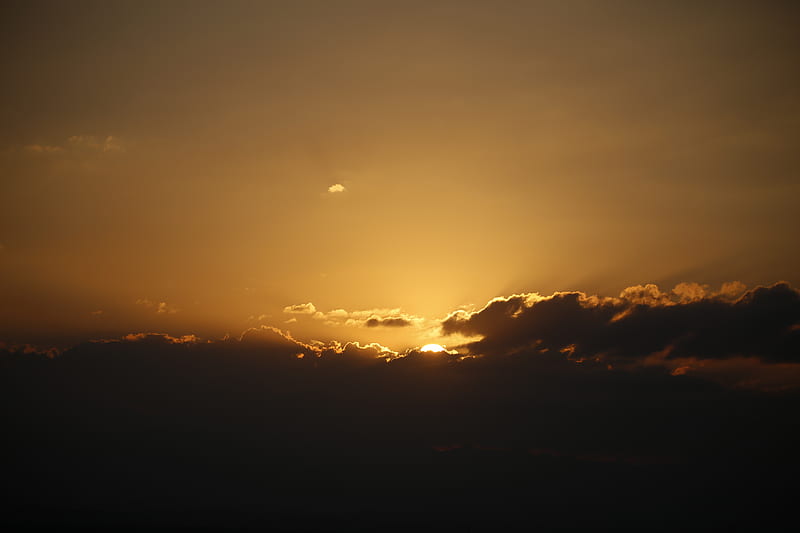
x=265, y=431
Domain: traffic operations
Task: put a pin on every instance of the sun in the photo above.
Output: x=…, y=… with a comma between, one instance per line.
x=432, y=348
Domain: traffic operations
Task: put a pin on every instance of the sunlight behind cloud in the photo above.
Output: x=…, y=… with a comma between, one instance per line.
x=432, y=348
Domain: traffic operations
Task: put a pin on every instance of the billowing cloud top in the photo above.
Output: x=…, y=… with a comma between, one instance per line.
x=687, y=322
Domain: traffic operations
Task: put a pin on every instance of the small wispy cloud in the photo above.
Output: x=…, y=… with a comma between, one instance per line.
x=300, y=309
x=77, y=143
x=161, y=308
x=370, y=318
x=43, y=149
x=91, y=142
x=336, y=187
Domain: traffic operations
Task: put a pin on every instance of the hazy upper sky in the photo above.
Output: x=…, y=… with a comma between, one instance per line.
x=172, y=166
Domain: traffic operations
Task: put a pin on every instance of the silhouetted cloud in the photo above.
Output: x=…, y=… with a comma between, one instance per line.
x=393, y=322
x=689, y=321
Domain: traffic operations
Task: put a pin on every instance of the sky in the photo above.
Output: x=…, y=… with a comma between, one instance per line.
x=595, y=200
x=184, y=153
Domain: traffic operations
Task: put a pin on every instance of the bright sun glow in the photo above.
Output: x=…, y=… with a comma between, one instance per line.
x=432, y=348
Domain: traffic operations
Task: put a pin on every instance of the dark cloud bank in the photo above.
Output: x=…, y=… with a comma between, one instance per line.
x=269, y=432
x=763, y=323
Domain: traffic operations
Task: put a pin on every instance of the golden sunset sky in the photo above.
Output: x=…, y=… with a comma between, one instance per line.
x=399, y=265
x=205, y=167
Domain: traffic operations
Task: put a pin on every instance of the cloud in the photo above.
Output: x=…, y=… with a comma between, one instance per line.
x=689, y=321
x=370, y=318
x=153, y=338
x=161, y=308
x=392, y=322
x=281, y=341
x=108, y=143
x=300, y=309
x=336, y=188
x=76, y=144
x=422, y=399
x=42, y=149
